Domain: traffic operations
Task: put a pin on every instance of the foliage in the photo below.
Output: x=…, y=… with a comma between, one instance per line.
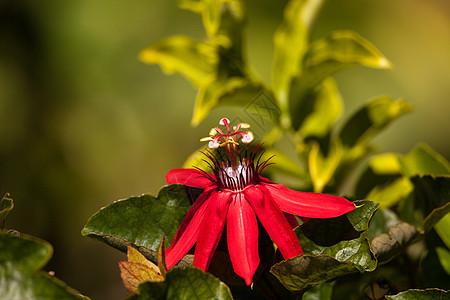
x=21, y=260
x=403, y=224
x=412, y=190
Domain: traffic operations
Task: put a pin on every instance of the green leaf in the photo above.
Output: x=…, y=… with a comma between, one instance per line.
x=382, y=220
x=432, y=198
x=197, y=61
x=322, y=168
x=236, y=91
x=444, y=258
x=219, y=16
x=197, y=159
x=428, y=294
x=6, y=205
x=423, y=160
x=392, y=193
x=320, y=112
x=141, y=220
x=382, y=170
x=322, y=291
x=343, y=238
x=337, y=51
x=21, y=257
x=371, y=119
x=290, y=43
x=184, y=283
x=284, y=163
x=303, y=272
x=332, y=248
x=442, y=227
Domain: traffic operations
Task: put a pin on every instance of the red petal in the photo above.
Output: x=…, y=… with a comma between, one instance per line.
x=187, y=233
x=190, y=177
x=273, y=220
x=211, y=228
x=242, y=235
x=192, y=211
x=310, y=205
x=291, y=219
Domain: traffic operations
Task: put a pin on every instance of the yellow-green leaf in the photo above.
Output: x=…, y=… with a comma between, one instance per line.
x=341, y=49
x=228, y=91
x=195, y=60
x=322, y=168
x=385, y=164
x=319, y=115
x=337, y=51
x=371, y=119
x=390, y=194
x=423, y=160
x=444, y=258
x=442, y=229
x=216, y=14
x=290, y=42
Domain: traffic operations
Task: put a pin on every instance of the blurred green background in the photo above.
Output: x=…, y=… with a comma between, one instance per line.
x=83, y=122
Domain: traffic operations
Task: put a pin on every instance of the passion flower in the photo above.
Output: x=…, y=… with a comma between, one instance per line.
x=236, y=195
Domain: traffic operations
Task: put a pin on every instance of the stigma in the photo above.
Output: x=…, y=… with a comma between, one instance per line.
x=217, y=138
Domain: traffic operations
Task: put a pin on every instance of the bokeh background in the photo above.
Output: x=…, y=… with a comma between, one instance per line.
x=83, y=122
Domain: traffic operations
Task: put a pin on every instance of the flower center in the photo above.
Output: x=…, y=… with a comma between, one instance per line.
x=236, y=180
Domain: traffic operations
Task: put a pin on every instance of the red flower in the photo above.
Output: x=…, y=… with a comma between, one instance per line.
x=235, y=195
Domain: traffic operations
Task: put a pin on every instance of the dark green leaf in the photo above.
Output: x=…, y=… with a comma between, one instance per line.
x=6, y=205
x=343, y=238
x=184, y=283
x=371, y=119
x=303, y=272
x=387, y=246
x=21, y=257
x=141, y=220
x=428, y=294
x=432, y=272
x=428, y=204
x=197, y=61
x=333, y=247
x=432, y=197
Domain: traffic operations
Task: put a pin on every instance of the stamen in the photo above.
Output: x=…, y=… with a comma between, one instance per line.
x=247, y=137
